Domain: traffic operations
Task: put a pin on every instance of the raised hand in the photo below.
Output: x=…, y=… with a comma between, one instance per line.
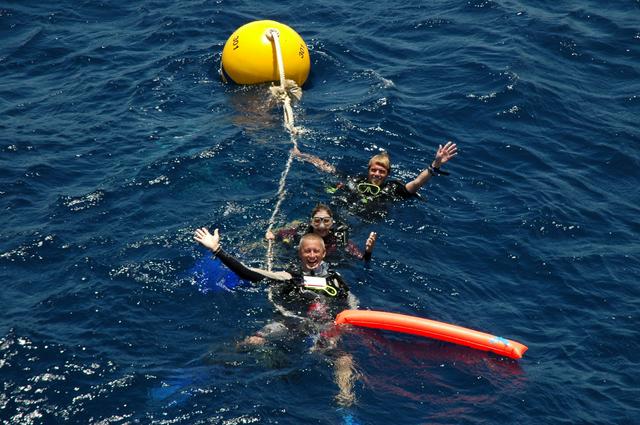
x=206, y=239
x=371, y=242
x=444, y=154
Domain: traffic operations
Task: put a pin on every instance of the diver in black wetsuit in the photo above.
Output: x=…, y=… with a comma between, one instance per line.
x=371, y=191
x=312, y=293
x=334, y=234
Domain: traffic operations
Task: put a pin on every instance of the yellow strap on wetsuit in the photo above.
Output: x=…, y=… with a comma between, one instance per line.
x=330, y=290
x=319, y=284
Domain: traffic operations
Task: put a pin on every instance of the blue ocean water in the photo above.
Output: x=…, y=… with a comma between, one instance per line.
x=117, y=140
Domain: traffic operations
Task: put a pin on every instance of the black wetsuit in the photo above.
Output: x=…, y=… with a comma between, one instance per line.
x=367, y=200
x=391, y=190
x=296, y=294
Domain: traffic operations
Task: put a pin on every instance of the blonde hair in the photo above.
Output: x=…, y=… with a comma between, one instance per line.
x=311, y=237
x=381, y=159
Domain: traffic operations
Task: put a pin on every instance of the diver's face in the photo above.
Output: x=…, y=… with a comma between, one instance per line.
x=377, y=174
x=321, y=223
x=311, y=253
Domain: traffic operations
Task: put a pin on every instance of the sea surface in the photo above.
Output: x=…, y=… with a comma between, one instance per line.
x=118, y=139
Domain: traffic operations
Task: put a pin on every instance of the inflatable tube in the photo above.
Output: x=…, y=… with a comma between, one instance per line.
x=249, y=57
x=432, y=329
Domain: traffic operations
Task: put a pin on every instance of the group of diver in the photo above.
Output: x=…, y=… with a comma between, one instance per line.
x=309, y=293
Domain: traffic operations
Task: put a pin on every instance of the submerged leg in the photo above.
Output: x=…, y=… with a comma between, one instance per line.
x=253, y=340
x=270, y=331
x=345, y=376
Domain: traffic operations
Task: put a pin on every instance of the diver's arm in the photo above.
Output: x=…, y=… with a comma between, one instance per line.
x=353, y=249
x=318, y=162
x=212, y=242
x=286, y=234
x=237, y=267
x=368, y=247
x=444, y=154
x=414, y=185
x=369, y=244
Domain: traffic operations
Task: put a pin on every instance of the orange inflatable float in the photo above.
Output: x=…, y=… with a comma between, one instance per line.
x=432, y=329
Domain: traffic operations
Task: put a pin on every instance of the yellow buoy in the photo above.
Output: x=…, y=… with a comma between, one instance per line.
x=249, y=57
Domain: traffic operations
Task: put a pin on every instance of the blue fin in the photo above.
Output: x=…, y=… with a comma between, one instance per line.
x=213, y=276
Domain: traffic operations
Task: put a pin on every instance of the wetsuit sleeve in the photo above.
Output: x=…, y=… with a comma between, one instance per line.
x=400, y=190
x=287, y=234
x=238, y=268
x=353, y=249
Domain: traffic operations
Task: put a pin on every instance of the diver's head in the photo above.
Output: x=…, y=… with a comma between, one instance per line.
x=311, y=251
x=321, y=220
x=379, y=168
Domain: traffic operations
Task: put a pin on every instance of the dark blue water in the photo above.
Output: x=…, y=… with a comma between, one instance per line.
x=117, y=140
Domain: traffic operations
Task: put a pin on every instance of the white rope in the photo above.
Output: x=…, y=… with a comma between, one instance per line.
x=276, y=209
x=283, y=93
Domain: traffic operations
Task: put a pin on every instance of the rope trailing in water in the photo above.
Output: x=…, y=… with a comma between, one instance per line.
x=287, y=90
